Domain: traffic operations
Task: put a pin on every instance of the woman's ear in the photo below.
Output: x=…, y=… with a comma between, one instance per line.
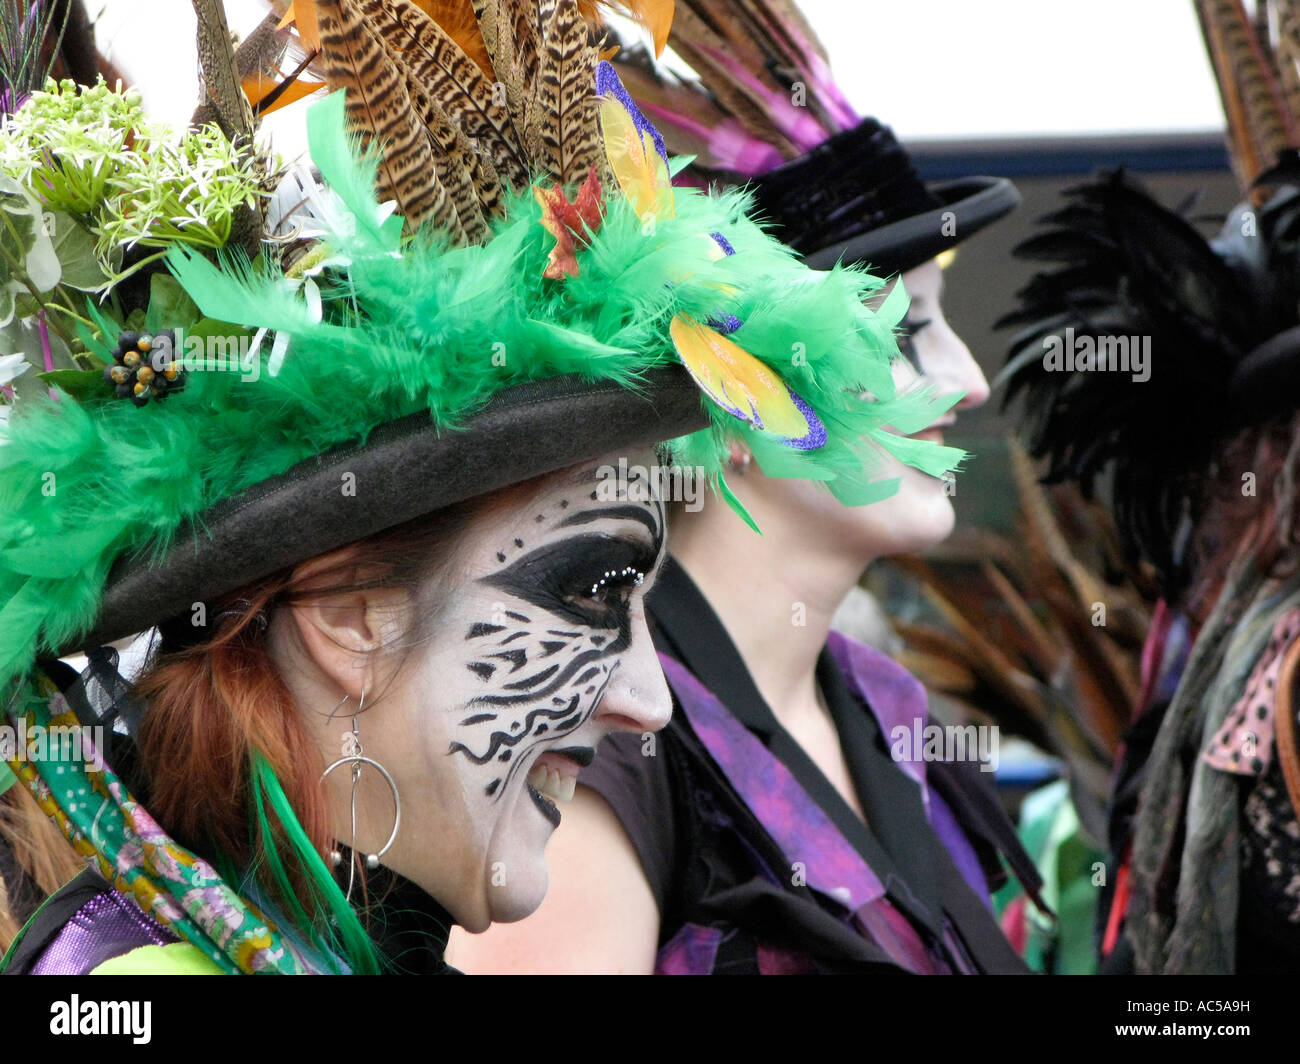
x=341, y=632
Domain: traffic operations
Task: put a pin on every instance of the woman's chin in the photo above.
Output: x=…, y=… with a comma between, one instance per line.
x=517, y=897
x=917, y=517
x=515, y=876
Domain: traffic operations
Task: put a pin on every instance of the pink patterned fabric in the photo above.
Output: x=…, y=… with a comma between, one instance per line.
x=1244, y=744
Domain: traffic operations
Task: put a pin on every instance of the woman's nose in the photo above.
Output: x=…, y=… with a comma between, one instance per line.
x=950, y=364
x=637, y=698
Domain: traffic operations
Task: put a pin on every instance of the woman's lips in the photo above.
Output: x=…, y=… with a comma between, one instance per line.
x=543, y=803
x=934, y=435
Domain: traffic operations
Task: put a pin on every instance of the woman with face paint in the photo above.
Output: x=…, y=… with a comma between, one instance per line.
x=786, y=821
x=396, y=567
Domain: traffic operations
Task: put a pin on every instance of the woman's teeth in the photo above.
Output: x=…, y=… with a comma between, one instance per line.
x=551, y=783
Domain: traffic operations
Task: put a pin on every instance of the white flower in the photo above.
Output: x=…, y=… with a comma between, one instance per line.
x=12, y=367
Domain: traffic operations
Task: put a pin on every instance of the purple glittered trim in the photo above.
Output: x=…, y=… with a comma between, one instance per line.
x=608, y=84
x=107, y=926
x=723, y=243
x=726, y=325
x=816, y=430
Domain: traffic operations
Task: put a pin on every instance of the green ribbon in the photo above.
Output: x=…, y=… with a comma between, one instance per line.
x=7, y=777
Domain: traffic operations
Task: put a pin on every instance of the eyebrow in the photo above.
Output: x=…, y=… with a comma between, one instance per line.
x=617, y=513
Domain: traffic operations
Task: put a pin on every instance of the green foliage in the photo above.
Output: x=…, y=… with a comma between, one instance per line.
x=67, y=143
x=88, y=153
x=83, y=385
x=170, y=306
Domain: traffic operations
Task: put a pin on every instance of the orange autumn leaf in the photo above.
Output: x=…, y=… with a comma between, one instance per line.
x=570, y=223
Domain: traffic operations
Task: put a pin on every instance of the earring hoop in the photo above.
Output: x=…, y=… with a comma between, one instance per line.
x=372, y=860
x=354, y=755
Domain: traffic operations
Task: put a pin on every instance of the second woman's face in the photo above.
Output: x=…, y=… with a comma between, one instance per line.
x=920, y=513
x=540, y=653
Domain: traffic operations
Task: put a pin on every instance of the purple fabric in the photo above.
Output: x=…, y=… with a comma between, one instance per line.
x=959, y=849
x=692, y=951
x=819, y=853
x=898, y=699
x=773, y=960
x=107, y=926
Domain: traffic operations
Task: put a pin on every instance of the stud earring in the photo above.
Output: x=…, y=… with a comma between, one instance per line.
x=740, y=459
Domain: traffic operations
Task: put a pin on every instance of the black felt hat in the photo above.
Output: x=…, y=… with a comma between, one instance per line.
x=405, y=469
x=857, y=198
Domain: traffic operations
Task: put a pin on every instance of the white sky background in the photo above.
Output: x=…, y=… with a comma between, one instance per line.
x=932, y=69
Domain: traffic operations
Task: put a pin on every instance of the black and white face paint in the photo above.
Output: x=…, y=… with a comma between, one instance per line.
x=541, y=652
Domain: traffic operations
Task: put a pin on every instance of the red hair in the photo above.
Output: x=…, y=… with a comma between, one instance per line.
x=44, y=859
x=1232, y=522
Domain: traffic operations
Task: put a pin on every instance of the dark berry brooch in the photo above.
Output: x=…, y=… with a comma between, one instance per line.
x=145, y=367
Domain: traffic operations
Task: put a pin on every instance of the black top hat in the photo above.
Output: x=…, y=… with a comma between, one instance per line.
x=857, y=198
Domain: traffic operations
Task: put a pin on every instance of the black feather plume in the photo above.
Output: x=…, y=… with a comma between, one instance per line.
x=1130, y=268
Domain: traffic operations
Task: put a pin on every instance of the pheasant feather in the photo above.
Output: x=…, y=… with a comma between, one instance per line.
x=455, y=163
x=566, y=102
x=452, y=80
x=457, y=19
x=379, y=108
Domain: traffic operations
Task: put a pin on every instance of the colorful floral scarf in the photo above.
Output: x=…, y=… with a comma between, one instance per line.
x=115, y=835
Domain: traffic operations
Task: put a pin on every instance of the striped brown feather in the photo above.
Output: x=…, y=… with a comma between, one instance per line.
x=454, y=159
x=719, y=27
x=516, y=61
x=488, y=13
x=452, y=81
x=459, y=21
x=483, y=173
x=1259, y=86
x=565, y=94
x=379, y=110
x=1288, y=53
x=1260, y=124
x=798, y=30
x=748, y=111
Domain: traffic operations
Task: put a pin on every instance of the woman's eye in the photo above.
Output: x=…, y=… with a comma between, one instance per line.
x=611, y=588
x=911, y=328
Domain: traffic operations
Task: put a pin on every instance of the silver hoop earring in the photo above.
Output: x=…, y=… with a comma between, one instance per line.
x=354, y=755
